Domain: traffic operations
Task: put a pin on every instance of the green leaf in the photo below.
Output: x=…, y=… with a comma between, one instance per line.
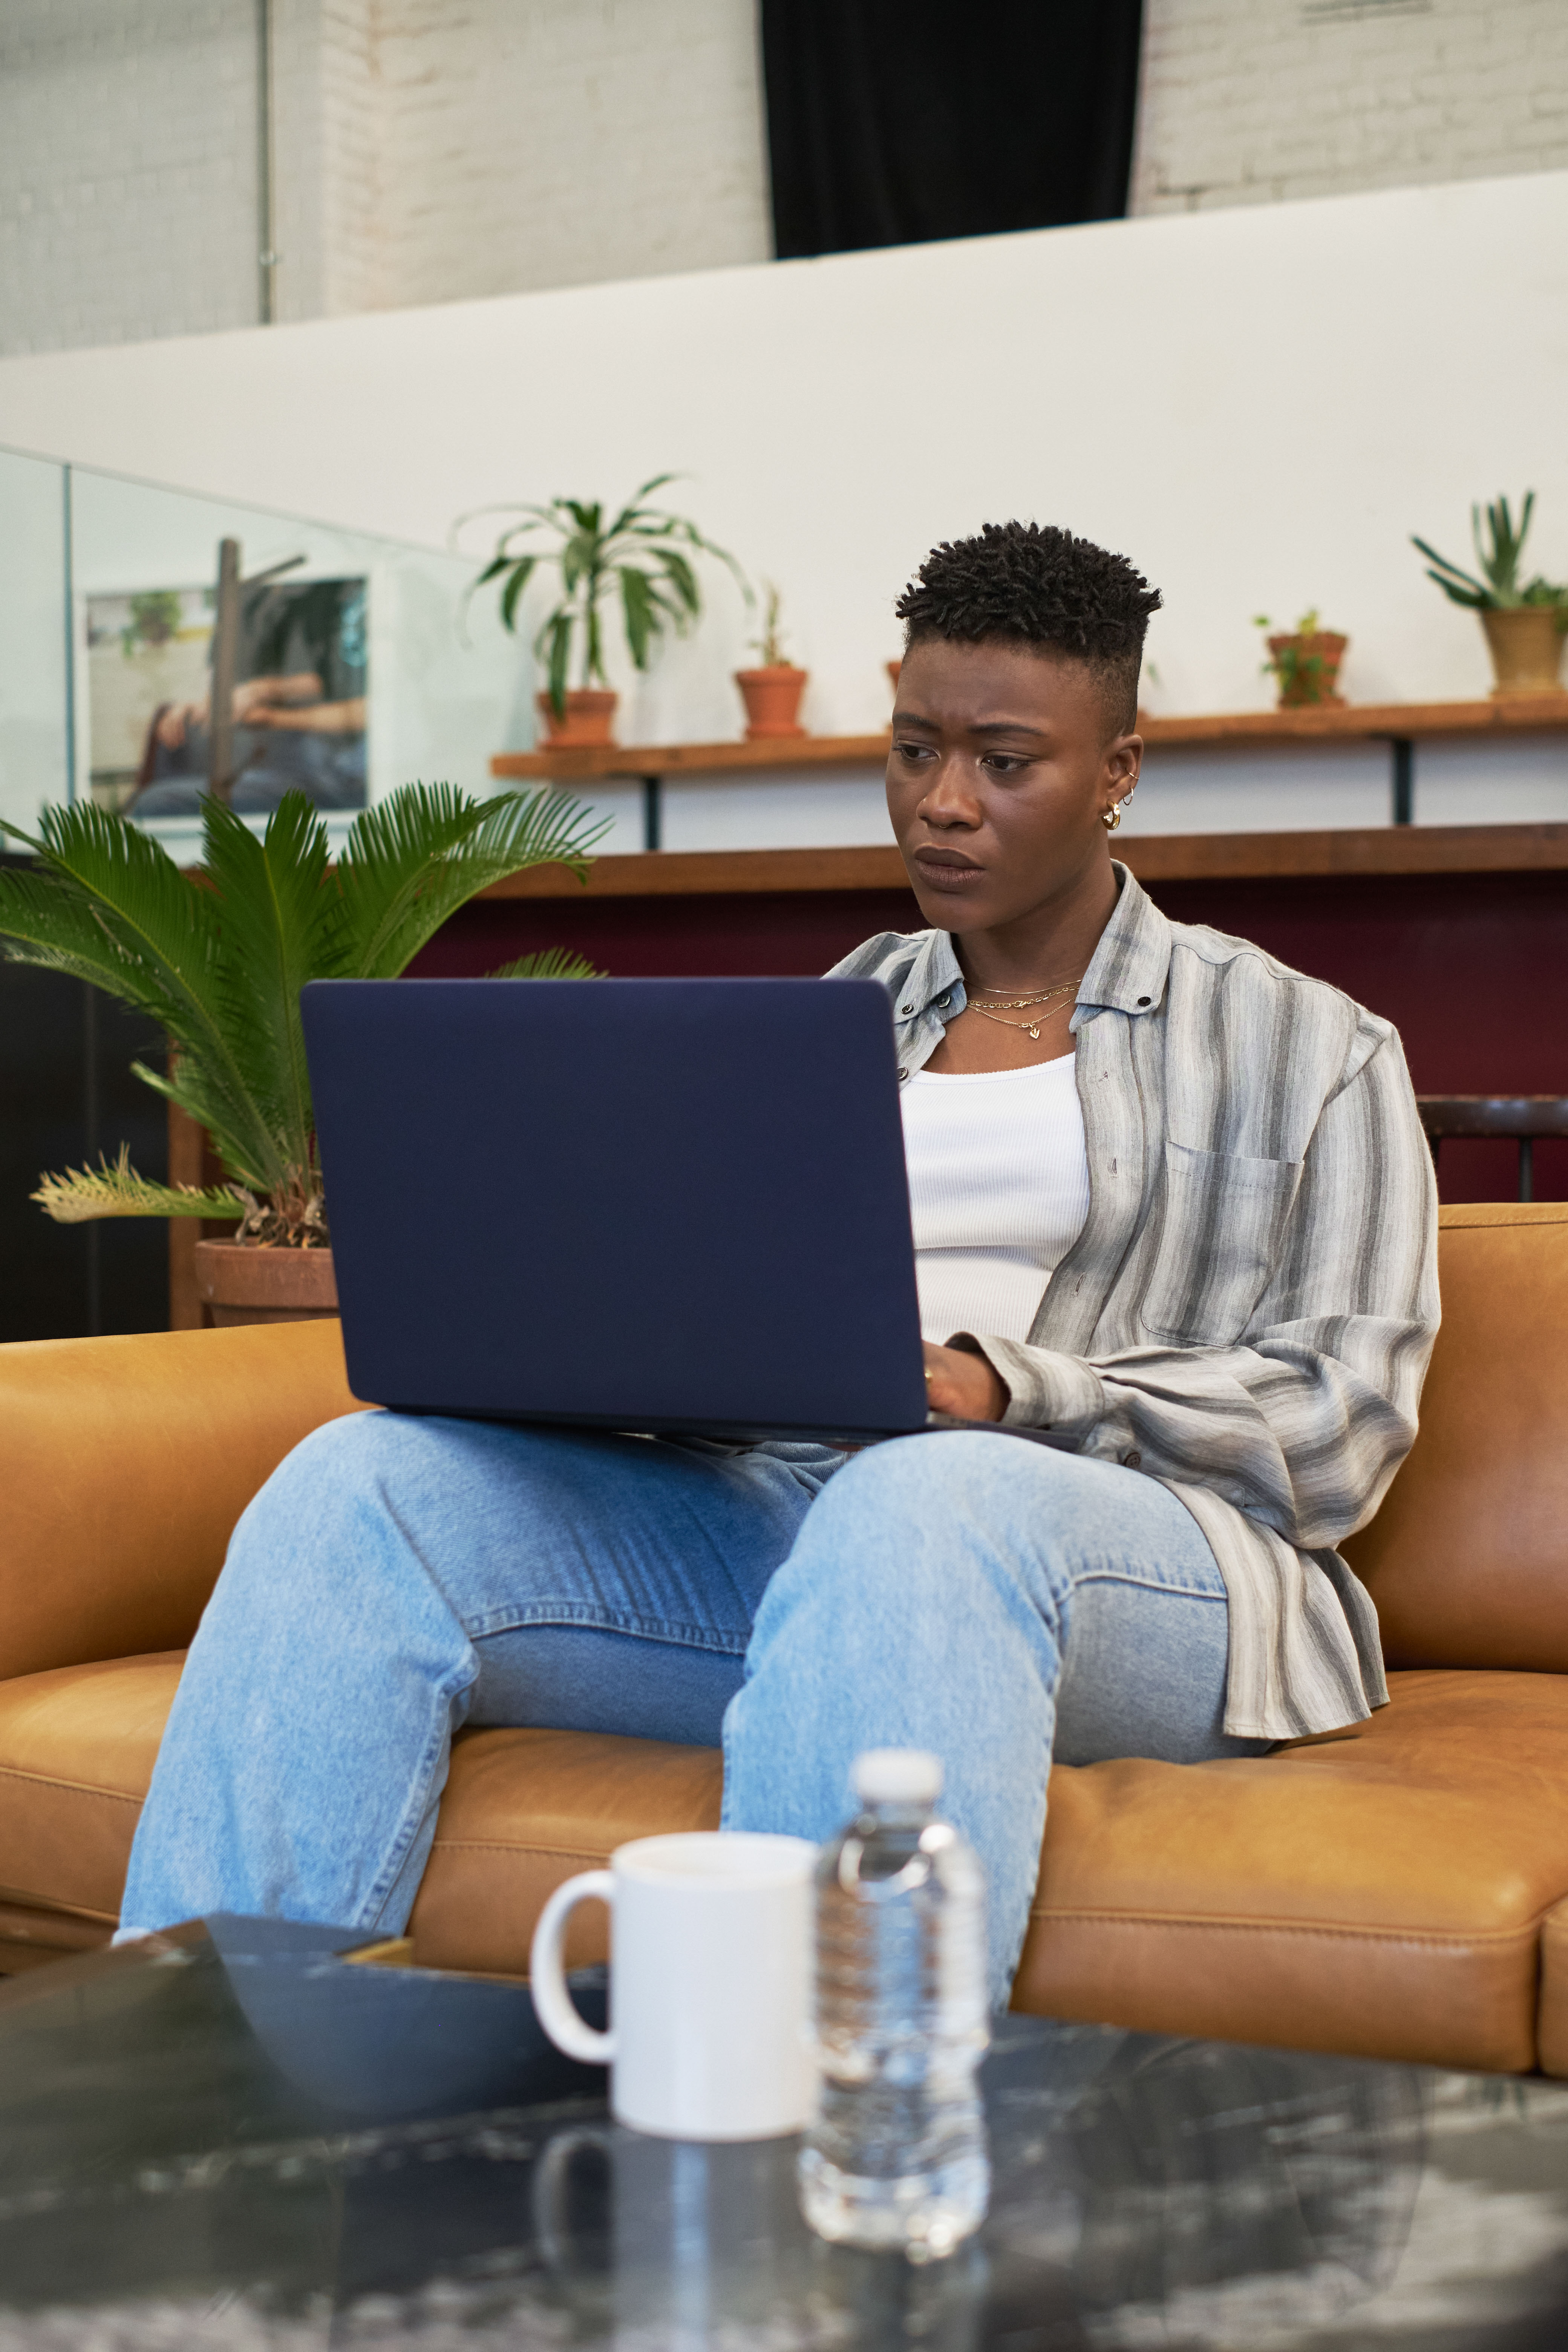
x=641, y=619
x=113, y=1189
x=412, y=861
x=576, y=562
x=522, y=571
x=594, y=649
x=633, y=507
x=110, y=906
x=1477, y=592
x=282, y=923
x=1475, y=600
x=685, y=581
x=548, y=963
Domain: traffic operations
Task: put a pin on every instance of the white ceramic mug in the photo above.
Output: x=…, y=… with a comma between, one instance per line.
x=711, y=1962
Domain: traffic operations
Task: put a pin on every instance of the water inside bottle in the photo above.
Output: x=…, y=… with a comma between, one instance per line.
x=897, y=2156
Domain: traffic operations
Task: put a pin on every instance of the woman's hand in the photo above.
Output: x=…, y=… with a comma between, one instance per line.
x=963, y=1385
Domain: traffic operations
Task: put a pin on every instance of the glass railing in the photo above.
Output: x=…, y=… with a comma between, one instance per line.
x=351, y=663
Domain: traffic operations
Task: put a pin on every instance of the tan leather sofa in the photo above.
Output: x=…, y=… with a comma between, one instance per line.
x=1400, y=1889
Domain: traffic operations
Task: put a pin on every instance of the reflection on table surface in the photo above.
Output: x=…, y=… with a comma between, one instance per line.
x=233, y=2137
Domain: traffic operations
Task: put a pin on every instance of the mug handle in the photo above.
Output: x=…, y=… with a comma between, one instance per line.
x=553, y=2003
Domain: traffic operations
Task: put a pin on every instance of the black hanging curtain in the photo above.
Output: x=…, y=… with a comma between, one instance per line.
x=896, y=122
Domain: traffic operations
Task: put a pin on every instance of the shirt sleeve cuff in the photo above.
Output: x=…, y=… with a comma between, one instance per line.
x=1045, y=1389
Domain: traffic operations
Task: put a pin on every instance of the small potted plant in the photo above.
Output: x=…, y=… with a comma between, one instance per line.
x=643, y=556
x=219, y=958
x=772, y=692
x=1304, y=662
x=1524, y=624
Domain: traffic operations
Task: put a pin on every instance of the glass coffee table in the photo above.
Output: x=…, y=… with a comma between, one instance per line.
x=237, y=2136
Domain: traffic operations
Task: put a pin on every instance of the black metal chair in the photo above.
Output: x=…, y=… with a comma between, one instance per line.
x=1516, y=1119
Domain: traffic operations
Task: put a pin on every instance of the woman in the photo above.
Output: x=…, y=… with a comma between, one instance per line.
x=1171, y=1200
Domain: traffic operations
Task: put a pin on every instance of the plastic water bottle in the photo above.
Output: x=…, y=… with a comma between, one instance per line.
x=897, y=2155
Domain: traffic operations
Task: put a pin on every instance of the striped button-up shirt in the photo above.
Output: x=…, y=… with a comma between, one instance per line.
x=1249, y=1309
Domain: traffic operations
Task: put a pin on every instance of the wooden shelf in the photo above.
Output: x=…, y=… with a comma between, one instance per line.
x=1331, y=723
x=566, y=767
x=1153, y=858
x=1405, y=722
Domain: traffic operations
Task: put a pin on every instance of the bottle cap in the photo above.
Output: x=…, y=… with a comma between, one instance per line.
x=897, y=1776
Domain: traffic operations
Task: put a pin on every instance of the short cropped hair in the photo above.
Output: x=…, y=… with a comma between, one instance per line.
x=1034, y=585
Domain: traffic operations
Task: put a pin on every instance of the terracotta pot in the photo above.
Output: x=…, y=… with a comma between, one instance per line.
x=1526, y=649
x=244, y=1282
x=1318, y=685
x=772, y=697
x=589, y=717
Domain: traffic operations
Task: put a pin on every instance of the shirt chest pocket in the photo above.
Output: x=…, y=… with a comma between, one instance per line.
x=1222, y=1229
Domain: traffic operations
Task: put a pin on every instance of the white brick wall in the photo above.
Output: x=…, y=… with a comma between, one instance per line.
x=127, y=170
x=1247, y=101
x=558, y=142
x=428, y=150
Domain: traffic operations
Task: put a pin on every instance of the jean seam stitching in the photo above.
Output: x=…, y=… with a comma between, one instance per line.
x=1138, y=1583
x=370, y=1910
x=594, y=1619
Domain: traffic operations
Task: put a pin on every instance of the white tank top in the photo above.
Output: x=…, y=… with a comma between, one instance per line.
x=999, y=1191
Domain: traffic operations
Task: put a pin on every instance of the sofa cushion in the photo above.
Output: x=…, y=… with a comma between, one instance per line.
x=77, y=1749
x=1467, y=1559
x=1378, y=1891
x=522, y=1810
x=525, y=1810
x=127, y=1461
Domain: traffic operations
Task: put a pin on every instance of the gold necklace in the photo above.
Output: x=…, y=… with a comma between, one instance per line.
x=1040, y=996
x=1017, y=1005
x=1031, y=1027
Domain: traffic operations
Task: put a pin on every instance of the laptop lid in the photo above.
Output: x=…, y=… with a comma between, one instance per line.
x=644, y=1204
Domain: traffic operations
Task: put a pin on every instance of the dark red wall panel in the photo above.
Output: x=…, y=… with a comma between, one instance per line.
x=1472, y=968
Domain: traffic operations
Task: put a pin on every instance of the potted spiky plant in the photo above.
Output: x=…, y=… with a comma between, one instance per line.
x=219, y=958
x=772, y=691
x=643, y=556
x=1524, y=621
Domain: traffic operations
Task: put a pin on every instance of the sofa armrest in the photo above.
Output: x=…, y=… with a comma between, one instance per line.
x=125, y=1463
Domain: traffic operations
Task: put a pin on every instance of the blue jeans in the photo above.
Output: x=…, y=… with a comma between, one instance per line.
x=398, y=1577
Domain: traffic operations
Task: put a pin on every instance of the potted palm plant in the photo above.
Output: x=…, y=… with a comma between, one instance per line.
x=1525, y=621
x=219, y=958
x=772, y=692
x=641, y=556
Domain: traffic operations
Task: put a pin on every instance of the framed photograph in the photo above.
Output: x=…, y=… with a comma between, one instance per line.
x=299, y=697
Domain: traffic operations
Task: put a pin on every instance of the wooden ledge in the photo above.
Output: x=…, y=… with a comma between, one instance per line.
x=712, y=873
x=1323, y=722
x=777, y=753
x=1153, y=858
x=1367, y=722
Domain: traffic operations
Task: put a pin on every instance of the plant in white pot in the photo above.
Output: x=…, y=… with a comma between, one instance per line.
x=1524, y=621
x=642, y=558
x=219, y=958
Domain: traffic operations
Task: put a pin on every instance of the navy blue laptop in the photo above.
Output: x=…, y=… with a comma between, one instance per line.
x=661, y=1205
